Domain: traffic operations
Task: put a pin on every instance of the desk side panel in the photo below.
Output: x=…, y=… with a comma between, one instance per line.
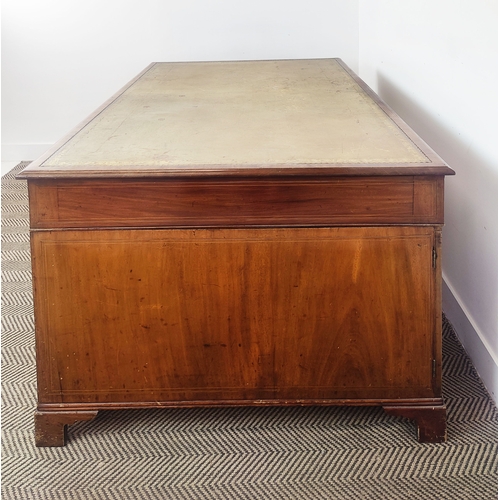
x=235, y=315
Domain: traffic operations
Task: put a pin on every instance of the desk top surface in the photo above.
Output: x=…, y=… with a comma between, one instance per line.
x=305, y=117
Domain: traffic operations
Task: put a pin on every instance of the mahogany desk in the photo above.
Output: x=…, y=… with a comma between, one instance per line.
x=238, y=233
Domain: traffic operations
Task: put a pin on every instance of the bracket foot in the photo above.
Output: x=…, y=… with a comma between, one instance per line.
x=50, y=426
x=430, y=420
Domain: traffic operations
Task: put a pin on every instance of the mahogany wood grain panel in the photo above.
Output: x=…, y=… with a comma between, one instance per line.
x=235, y=314
x=191, y=203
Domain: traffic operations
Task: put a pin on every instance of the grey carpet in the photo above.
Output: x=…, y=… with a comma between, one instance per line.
x=233, y=453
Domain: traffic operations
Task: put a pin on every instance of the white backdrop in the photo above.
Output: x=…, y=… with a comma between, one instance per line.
x=61, y=59
x=434, y=61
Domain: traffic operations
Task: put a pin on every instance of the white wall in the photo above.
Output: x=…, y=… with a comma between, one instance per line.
x=61, y=59
x=435, y=63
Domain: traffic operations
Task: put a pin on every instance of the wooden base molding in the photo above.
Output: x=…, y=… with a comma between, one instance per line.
x=50, y=426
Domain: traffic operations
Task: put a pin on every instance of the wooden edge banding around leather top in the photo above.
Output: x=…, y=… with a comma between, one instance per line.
x=430, y=420
x=50, y=426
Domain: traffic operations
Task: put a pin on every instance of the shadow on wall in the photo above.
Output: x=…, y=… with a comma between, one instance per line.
x=470, y=235
x=447, y=143
x=471, y=195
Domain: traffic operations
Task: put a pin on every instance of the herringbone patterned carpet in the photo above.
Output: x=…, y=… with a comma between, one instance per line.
x=233, y=453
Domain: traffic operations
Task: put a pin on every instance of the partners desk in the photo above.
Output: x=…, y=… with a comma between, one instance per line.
x=238, y=233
